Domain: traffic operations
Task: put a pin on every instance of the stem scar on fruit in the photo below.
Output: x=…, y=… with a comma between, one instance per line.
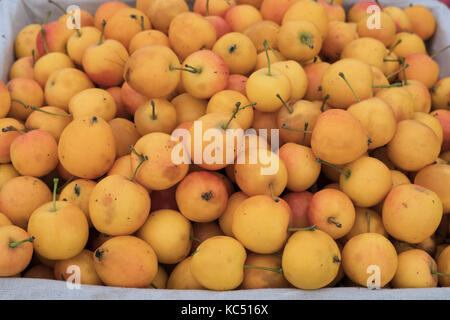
x=99, y=254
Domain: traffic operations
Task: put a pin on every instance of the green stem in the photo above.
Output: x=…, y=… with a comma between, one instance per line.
x=47, y=18
x=33, y=54
x=331, y=220
x=286, y=127
x=188, y=69
x=394, y=46
x=142, y=159
x=304, y=135
x=378, y=3
x=312, y=228
x=348, y=83
x=15, y=244
x=439, y=52
x=142, y=23
x=195, y=239
x=397, y=84
x=51, y=113
x=265, y=43
x=325, y=99
x=44, y=40
x=275, y=53
x=207, y=8
x=154, y=116
x=391, y=60
x=435, y=272
x=55, y=188
x=279, y=271
x=272, y=194
x=405, y=81
x=12, y=128
x=65, y=184
x=26, y=106
x=235, y=112
x=58, y=6
x=346, y=173
x=397, y=72
x=290, y=110
x=76, y=29
x=103, y=32
x=367, y=213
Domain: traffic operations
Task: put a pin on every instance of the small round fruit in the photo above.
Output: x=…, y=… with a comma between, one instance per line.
x=126, y=261
x=310, y=259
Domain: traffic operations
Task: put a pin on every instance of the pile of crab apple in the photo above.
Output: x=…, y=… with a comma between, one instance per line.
x=338, y=172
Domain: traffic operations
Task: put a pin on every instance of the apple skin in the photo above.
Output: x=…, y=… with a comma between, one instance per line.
x=56, y=35
x=444, y=118
x=299, y=204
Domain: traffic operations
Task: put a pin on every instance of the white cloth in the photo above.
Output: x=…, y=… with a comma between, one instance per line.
x=36, y=289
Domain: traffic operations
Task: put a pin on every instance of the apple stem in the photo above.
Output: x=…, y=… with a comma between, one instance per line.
x=142, y=23
x=439, y=52
x=378, y=3
x=307, y=38
x=336, y=259
x=33, y=54
x=405, y=80
x=331, y=220
x=44, y=40
x=397, y=72
x=346, y=173
x=57, y=5
x=290, y=110
x=341, y=74
x=435, y=272
x=276, y=254
x=394, y=46
x=26, y=106
x=103, y=32
x=15, y=244
x=207, y=8
x=65, y=185
x=12, y=128
x=47, y=18
x=272, y=194
x=235, y=112
x=187, y=68
x=367, y=213
x=76, y=29
x=286, y=127
x=304, y=135
x=153, y=286
x=311, y=228
x=142, y=159
x=391, y=60
x=280, y=271
x=55, y=188
x=273, y=51
x=266, y=43
x=397, y=84
x=325, y=99
x=154, y=116
x=195, y=239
